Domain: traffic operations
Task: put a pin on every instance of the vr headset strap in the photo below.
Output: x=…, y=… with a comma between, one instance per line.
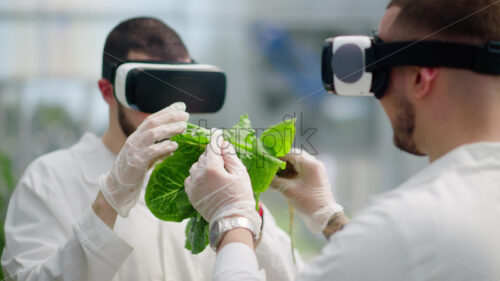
x=484, y=60
x=109, y=68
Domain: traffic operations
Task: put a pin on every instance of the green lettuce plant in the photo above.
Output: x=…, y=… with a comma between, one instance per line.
x=165, y=195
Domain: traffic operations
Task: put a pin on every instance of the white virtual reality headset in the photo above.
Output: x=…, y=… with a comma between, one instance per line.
x=360, y=65
x=150, y=86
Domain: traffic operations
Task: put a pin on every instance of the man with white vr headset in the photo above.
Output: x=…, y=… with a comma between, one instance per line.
x=435, y=68
x=79, y=213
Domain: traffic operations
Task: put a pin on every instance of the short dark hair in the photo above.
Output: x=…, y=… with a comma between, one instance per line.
x=475, y=20
x=146, y=35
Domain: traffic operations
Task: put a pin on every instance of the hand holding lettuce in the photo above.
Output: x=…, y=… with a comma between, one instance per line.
x=165, y=195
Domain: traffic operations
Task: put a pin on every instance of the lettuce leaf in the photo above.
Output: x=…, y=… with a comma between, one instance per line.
x=197, y=234
x=165, y=195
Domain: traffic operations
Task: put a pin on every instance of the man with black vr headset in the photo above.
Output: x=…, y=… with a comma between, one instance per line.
x=79, y=213
x=435, y=67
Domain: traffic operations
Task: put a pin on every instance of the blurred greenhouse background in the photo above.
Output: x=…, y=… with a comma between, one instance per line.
x=50, y=61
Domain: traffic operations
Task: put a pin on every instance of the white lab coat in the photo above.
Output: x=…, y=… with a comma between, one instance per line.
x=443, y=224
x=53, y=234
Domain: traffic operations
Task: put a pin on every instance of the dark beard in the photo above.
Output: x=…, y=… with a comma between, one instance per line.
x=404, y=128
x=127, y=126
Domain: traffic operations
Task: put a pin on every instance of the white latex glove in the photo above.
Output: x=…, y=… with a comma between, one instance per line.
x=219, y=185
x=122, y=184
x=309, y=191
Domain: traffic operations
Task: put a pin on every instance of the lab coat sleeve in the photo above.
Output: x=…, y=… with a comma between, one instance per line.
x=236, y=261
x=274, y=253
x=374, y=246
x=42, y=243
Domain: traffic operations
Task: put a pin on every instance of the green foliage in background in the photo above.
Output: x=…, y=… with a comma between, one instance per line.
x=165, y=195
x=6, y=176
x=6, y=188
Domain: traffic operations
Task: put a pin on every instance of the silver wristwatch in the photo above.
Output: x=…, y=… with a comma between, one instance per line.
x=220, y=227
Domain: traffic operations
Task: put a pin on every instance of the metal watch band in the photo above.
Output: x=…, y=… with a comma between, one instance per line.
x=220, y=227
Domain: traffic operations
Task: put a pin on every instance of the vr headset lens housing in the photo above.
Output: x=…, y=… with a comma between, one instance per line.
x=360, y=65
x=344, y=62
x=151, y=86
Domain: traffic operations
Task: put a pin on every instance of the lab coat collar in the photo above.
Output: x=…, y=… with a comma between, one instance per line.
x=93, y=157
x=470, y=155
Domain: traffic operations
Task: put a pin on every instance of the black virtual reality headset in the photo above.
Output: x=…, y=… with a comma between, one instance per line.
x=360, y=65
x=150, y=86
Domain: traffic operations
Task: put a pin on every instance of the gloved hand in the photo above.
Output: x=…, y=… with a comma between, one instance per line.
x=219, y=185
x=309, y=191
x=122, y=184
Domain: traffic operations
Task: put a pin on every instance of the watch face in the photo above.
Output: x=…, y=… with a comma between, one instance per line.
x=220, y=227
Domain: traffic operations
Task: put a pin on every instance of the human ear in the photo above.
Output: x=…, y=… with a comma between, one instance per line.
x=424, y=80
x=106, y=89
